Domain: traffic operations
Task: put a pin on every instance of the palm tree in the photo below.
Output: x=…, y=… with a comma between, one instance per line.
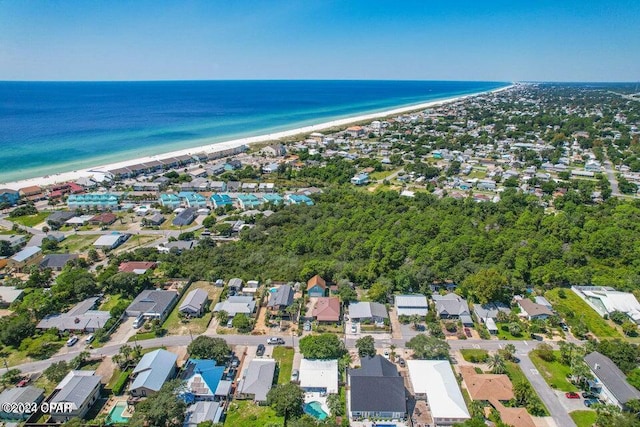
x=509, y=351
x=496, y=363
x=222, y=316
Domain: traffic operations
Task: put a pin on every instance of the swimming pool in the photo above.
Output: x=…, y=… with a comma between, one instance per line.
x=315, y=410
x=115, y=415
x=272, y=290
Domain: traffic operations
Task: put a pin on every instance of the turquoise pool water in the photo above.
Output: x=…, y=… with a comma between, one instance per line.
x=272, y=290
x=115, y=415
x=315, y=410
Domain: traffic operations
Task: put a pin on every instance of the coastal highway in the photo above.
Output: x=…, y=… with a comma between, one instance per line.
x=549, y=398
x=608, y=167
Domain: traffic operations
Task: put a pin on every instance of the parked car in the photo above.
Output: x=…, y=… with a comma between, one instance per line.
x=275, y=341
x=307, y=326
x=72, y=341
x=401, y=362
x=294, y=375
x=354, y=328
x=572, y=395
x=537, y=337
x=235, y=362
x=564, y=326
x=260, y=350
x=589, y=395
x=23, y=382
x=89, y=339
x=590, y=402
x=230, y=323
x=386, y=354
x=138, y=322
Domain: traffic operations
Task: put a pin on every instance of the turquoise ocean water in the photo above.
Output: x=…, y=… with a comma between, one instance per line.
x=51, y=127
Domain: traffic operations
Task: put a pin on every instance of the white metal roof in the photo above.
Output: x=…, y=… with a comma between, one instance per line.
x=319, y=374
x=435, y=378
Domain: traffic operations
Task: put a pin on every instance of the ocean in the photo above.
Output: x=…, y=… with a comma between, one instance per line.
x=51, y=127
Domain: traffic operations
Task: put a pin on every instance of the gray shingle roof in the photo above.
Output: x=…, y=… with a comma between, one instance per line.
x=612, y=377
x=364, y=310
x=451, y=305
x=282, y=297
x=26, y=394
x=56, y=260
x=258, y=378
x=377, y=386
x=194, y=300
x=151, y=300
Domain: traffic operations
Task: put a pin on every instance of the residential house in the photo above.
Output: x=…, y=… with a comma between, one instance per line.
x=171, y=201
x=195, y=303
x=137, y=267
x=605, y=300
x=153, y=370
x=154, y=220
x=9, y=196
x=14, y=240
x=235, y=284
x=376, y=391
x=435, y=382
x=83, y=317
x=611, y=383
x=28, y=256
x=28, y=397
x=8, y=295
x=327, y=309
x=266, y=187
x=201, y=412
x=185, y=217
x=201, y=378
x=248, y=201
x=80, y=389
x=237, y=304
x=298, y=199
x=193, y=200
x=58, y=218
x=275, y=199
x=93, y=201
x=355, y=131
x=257, y=380
x=152, y=304
x=280, y=299
x=360, y=179
x=531, y=310
x=275, y=150
x=221, y=200
x=110, y=241
x=411, y=305
x=103, y=219
x=488, y=314
x=316, y=287
x=319, y=376
x=270, y=168
x=32, y=193
x=368, y=311
x=452, y=306
x=179, y=245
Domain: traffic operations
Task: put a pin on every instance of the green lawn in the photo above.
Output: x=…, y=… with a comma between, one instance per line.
x=284, y=357
x=142, y=336
x=583, y=418
x=506, y=335
x=111, y=301
x=175, y=325
x=245, y=413
x=474, y=355
x=573, y=310
x=554, y=373
x=78, y=242
x=30, y=220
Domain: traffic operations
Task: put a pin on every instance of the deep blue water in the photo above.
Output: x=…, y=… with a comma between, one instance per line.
x=49, y=127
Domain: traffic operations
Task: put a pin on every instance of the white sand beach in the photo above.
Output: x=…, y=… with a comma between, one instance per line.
x=73, y=176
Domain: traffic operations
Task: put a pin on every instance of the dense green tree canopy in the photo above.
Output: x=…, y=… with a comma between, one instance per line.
x=426, y=347
x=205, y=347
x=323, y=346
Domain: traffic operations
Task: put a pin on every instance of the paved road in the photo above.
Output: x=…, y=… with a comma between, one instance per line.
x=608, y=167
x=550, y=399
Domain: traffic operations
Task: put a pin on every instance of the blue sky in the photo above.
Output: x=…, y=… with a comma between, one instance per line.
x=560, y=40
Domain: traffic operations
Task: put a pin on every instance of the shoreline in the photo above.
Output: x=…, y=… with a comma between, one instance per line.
x=234, y=143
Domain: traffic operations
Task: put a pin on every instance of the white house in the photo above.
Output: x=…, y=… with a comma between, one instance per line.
x=319, y=375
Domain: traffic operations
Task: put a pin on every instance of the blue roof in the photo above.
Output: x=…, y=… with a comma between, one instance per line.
x=207, y=369
x=221, y=199
x=273, y=198
x=154, y=369
x=299, y=198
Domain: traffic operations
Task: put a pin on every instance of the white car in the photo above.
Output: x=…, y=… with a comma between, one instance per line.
x=354, y=328
x=275, y=341
x=72, y=340
x=89, y=339
x=386, y=354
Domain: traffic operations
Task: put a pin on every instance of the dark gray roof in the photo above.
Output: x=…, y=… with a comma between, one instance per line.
x=451, y=304
x=194, y=300
x=185, y=217
x=282, y=297
x=611, y=377
x=26, y=394
x=60, y=216
x=376, y=366
x=56, y=260
x=152, y=300
x=377, y=386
